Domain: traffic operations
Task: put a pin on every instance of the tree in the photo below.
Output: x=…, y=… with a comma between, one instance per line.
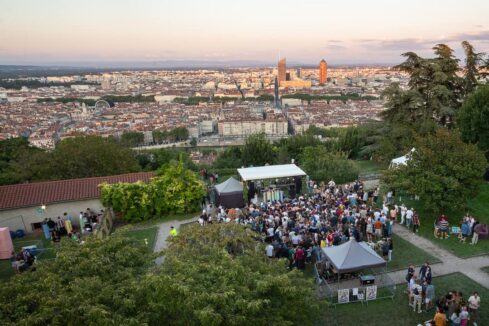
x=132, y=139
x=443, y=171
x=90, y=284
x=322, y=165
x=193, y=142
x=434, y=92
x=473, y=119
x=174, y=190
x=473, y=63
x=78, y=157
x=12, y=152
x=219, y=275
x=257, y=151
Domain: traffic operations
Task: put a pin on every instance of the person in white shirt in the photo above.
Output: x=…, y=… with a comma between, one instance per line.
x=417, y=298
x=403, y=213
x=474, y=305
x=409, y=217
x=269, y=250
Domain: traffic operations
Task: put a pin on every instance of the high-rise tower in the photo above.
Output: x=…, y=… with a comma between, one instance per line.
x=323, y=72
x=282, y=69
x=277, y=99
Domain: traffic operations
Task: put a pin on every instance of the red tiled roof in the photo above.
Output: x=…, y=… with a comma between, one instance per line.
x=35, y=194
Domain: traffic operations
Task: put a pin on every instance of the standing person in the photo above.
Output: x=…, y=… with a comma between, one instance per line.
x=409, y=217
x=393, y=214
x=456, y=317
x=391, y=247
x=464, y=316
x=410, y=274
x=403, y=213
x=376, y=195
x=424, y=270
x=417, y=297
x=269, y=250
x=299, y=257
x=440, y=318
x=475, y=235
x=416, y=222
x=474, y=305
x=430, y=296
x=173, y=231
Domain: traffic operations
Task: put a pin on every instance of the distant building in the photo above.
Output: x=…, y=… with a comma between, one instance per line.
x=20, y=204
x=296, y=83
x=282, y=71
x=323, y=72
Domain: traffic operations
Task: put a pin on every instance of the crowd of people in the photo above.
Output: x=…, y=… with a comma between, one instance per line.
x=453, y=309
x=329, y=215
x=62, y=225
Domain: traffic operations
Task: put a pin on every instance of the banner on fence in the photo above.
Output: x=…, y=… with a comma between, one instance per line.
x=371, y=292
x=343, y=295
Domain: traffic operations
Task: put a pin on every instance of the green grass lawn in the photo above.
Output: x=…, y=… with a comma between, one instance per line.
x=405, y=253
x=478, y=206
x=397, y=312
x=148, y=236
x=367, y=167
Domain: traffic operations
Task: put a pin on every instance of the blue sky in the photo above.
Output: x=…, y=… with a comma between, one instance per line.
x=377, y=31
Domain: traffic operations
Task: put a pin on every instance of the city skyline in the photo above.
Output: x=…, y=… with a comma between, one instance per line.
x=351, y=32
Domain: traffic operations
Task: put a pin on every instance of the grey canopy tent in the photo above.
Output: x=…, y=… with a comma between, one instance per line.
x=229, y=194
x=353, y=256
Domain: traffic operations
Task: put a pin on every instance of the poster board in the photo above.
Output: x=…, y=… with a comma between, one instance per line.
x=343, y=295
x=371, y=292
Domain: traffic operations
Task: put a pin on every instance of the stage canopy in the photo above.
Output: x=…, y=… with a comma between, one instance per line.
x=270, y=172
x=353, y=256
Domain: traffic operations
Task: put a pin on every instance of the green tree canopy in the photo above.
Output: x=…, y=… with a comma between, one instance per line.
x=473, y=119
x=322, y=165
x=90, y=284
x=132, y=139
x=435, y=90
x=77, y=157
x=257, y=151
x=174, y=190
x=443, y=170
x=219, y=275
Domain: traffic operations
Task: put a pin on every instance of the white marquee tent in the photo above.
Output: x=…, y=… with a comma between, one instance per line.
x=270, y=172
x=401, y=160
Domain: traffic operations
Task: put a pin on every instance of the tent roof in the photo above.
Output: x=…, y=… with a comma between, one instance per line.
x=230, y=185
x=270, y=172
x=353, y=256
x=403, y=159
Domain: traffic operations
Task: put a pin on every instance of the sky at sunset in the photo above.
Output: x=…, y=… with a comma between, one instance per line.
x=342, y=32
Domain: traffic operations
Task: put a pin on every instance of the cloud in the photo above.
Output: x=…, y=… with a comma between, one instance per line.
x=471, y=36
x=334, y=41
x=335, y=47
x=421, y=44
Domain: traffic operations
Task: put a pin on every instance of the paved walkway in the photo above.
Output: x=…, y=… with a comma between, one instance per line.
x=470, y=267
x=164, y=233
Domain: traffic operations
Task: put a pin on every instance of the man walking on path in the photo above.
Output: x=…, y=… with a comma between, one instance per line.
x=474, y=304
